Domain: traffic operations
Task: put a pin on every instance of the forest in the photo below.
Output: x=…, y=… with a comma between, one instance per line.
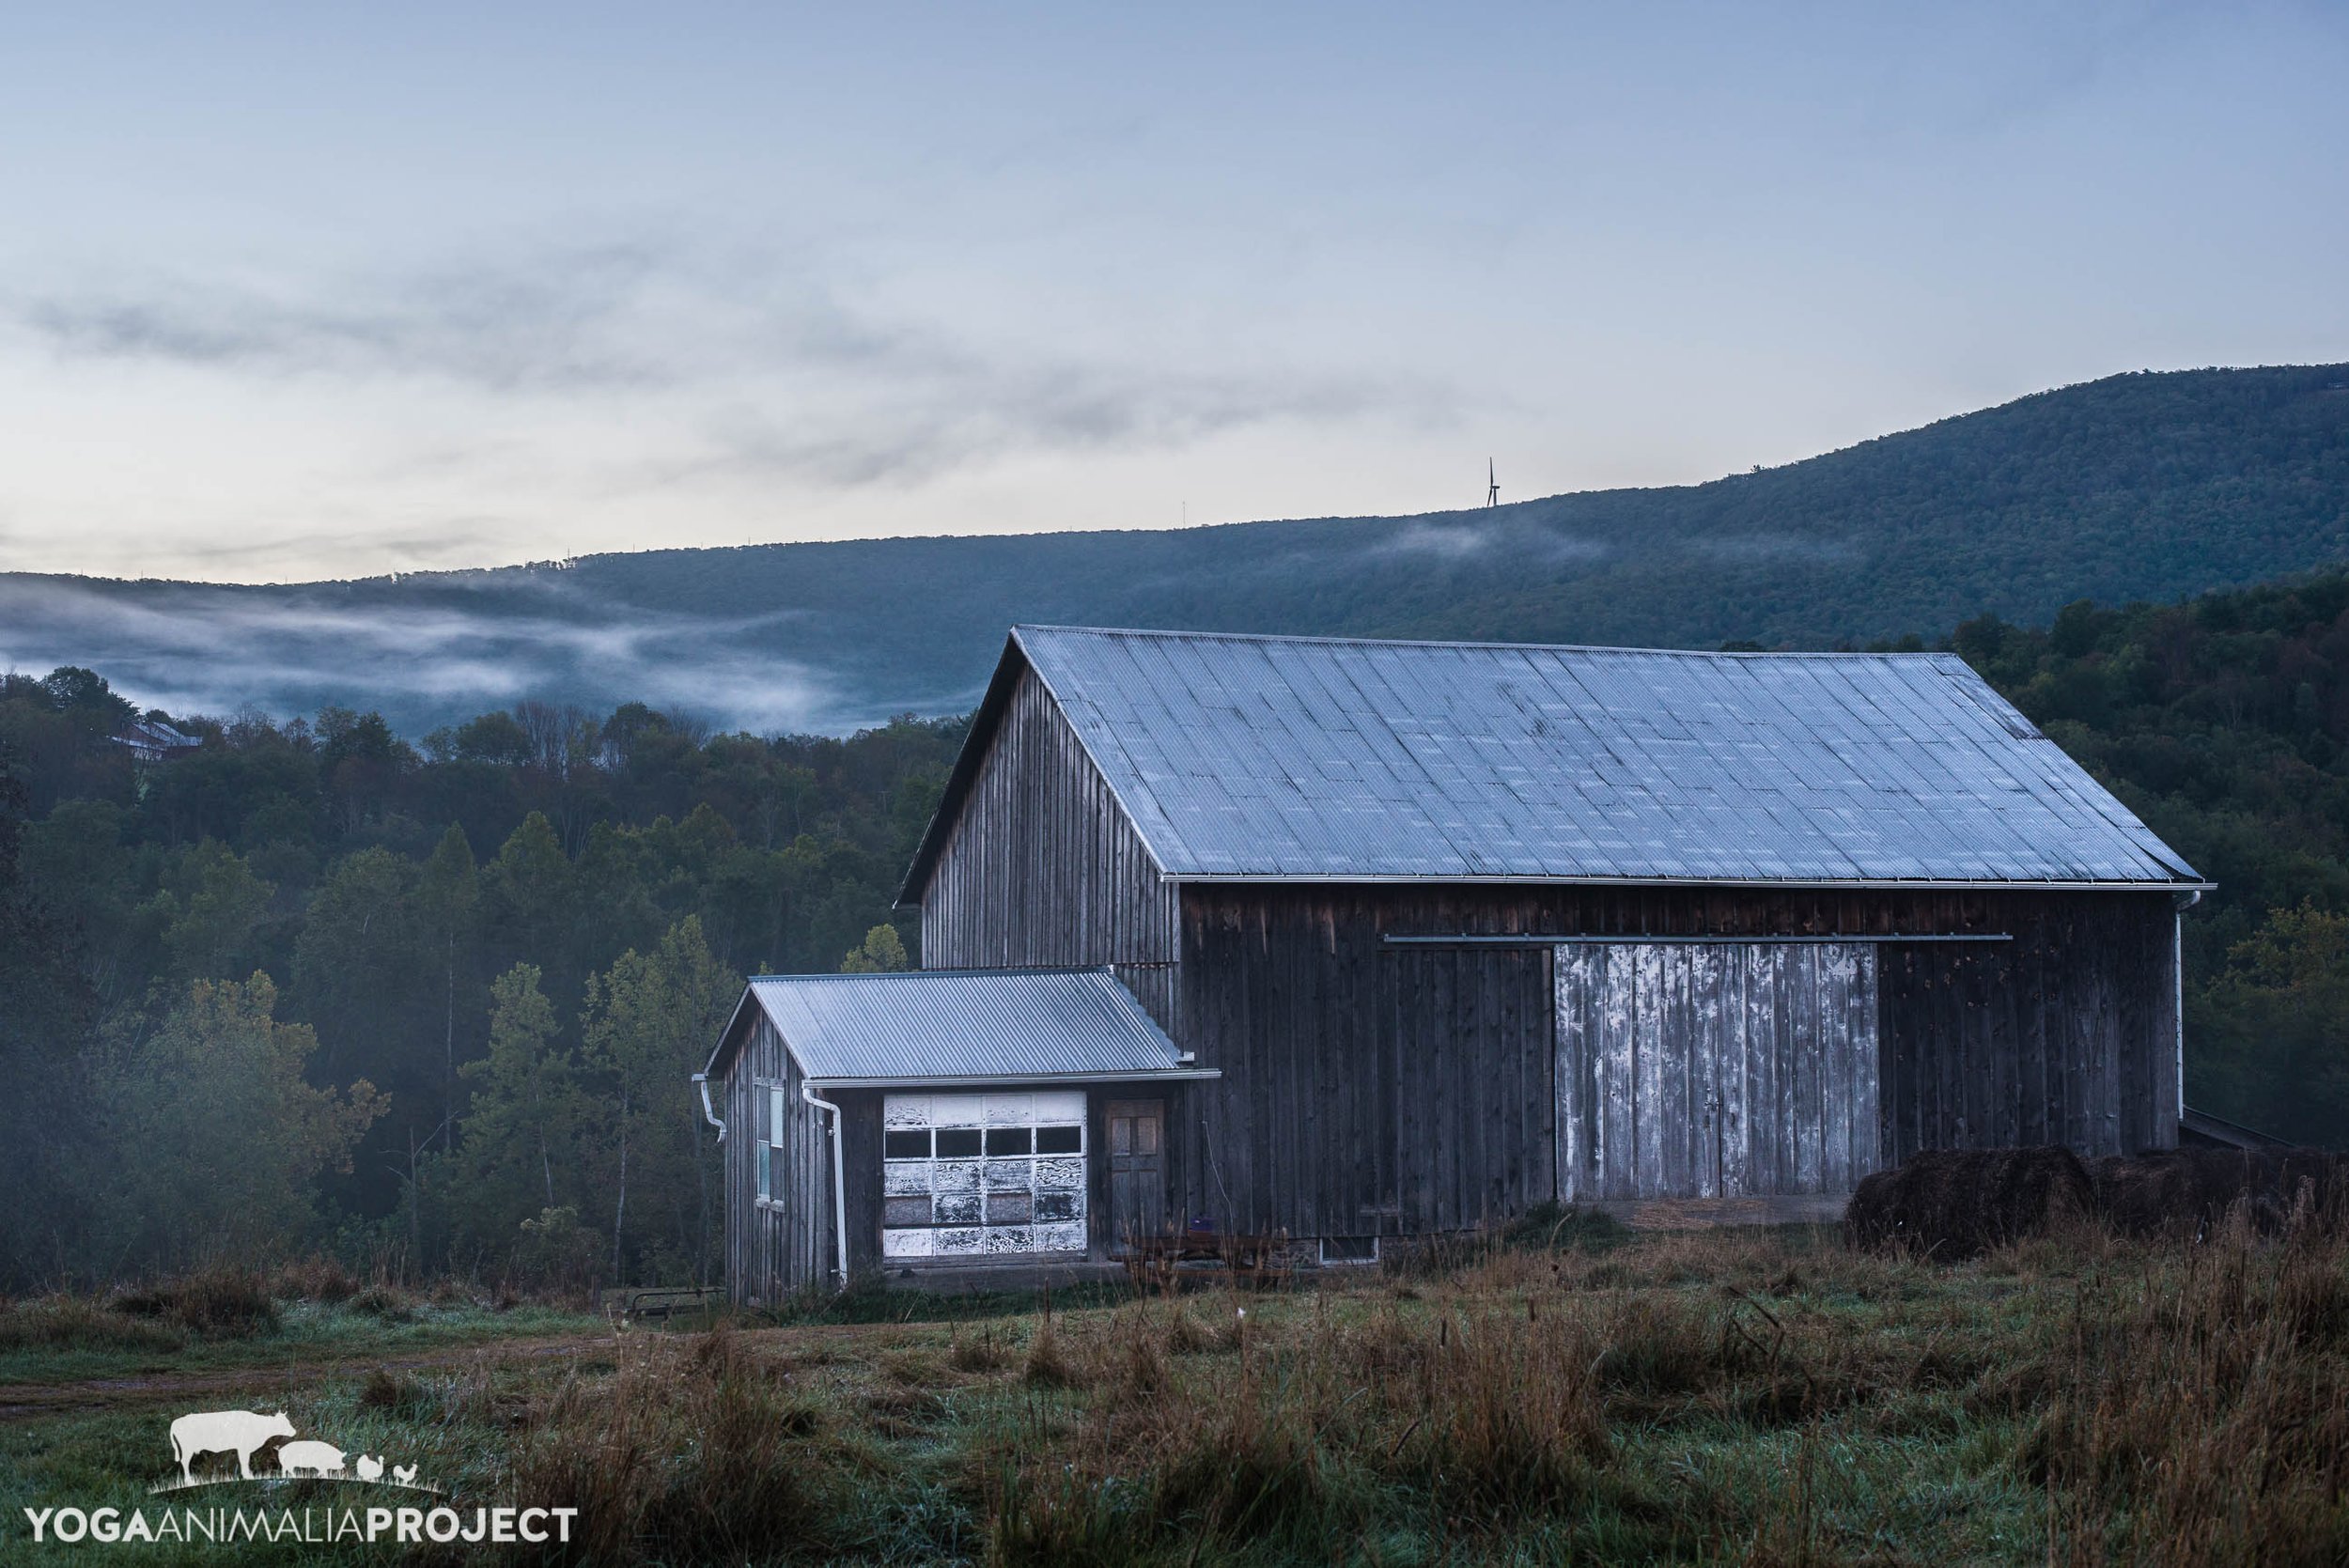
x=432, y=1005
x=428, y=1006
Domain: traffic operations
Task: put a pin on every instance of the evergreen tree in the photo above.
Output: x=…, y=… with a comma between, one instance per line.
x=650, y=1023
x=519, y=1147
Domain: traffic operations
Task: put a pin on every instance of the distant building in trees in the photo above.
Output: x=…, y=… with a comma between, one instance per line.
x=153, y=740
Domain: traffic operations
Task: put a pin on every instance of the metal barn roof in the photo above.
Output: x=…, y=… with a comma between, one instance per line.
x=1286, y=758
x=965, y=1026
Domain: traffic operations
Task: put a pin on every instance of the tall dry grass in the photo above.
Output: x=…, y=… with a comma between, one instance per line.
x=1726, y=1396
x=694, y=1450
x=2197, y=1408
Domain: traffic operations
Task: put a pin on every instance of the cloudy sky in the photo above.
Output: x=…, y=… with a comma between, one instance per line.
x=318, y=291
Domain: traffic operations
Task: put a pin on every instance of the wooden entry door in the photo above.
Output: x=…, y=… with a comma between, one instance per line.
x=1716, y=1069
x=1136, y=1170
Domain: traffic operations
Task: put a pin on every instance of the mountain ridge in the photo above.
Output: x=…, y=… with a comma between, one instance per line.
x=2142, y=486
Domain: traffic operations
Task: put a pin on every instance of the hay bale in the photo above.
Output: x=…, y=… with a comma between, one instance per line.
x=2187, y=1191
x=1952, y=1204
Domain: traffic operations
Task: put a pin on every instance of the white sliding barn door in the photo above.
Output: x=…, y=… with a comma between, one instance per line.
x=1714, y=1069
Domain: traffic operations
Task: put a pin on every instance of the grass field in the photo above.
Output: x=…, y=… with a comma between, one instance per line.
x=1758, y=1397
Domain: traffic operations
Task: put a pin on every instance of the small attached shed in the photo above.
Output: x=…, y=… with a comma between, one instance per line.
x=933, y=1119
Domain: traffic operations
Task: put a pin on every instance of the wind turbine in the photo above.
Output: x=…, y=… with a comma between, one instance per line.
x=1493, y=485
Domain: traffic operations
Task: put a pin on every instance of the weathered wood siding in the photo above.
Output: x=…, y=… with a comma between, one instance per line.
x=2067, y=1035
x=1711, y=1070
x=1368, y=1088
x=1042, y=867
x=776, y=1248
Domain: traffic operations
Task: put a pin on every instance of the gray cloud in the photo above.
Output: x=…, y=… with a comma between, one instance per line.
x=543, y=323
x=756, y=366
x=950, y=409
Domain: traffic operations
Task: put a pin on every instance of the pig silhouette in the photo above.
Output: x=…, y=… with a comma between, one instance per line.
x=318, y=1459
x=237, y=1432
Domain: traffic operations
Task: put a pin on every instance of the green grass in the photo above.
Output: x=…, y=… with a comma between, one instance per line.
x=112, y=1347
x=1722, y=1397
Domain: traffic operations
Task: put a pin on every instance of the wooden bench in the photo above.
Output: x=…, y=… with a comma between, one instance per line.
x=658, y=1303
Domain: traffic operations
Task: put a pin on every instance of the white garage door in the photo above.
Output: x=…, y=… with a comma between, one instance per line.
x=973, y=1176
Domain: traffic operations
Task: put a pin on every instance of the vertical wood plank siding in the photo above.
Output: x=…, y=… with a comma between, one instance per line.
x=1042, y=868
x=775, y=1248
x=1377, y=1089
x=1689, y=1033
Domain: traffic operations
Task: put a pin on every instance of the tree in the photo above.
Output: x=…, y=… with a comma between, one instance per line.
x=354, y=971
x=46, y=1010
x=530, y=901
x=214, y=1137
x=70, y=686
x=2272, y=1030
x=447, y=904
x=215, y=909
x=651, y=1020
x=881, y=952
x=518, y=1151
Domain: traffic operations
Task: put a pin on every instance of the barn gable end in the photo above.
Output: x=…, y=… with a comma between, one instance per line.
x=1034, y=861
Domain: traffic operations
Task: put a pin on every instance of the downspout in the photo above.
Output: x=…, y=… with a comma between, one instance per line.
x=2182, y=902
x=701, y=1081
x=839, y=1183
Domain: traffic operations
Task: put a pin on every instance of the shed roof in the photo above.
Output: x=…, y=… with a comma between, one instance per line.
x=961, y=1026
x=1304, y=758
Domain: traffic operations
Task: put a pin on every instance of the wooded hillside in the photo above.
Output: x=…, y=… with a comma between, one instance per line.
x=410, y=1001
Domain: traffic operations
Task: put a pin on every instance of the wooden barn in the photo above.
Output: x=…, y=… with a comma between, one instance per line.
x=1353, y=940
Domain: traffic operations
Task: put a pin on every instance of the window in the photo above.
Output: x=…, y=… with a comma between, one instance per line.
x=1350, y=1248
x=769, y=1148
x=976, y=1175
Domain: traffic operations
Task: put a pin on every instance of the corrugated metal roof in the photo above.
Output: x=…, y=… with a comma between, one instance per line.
x=958, y=1025
x=1296, y=758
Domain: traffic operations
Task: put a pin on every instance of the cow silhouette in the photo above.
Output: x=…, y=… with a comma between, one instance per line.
x=318, y=1459
x=237, y=1432
x=371, y=1468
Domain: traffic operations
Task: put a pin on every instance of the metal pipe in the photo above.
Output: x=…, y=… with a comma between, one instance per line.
x=839, y=1183
x=2184, y=902
x=1518, y=940
x=701, y=1081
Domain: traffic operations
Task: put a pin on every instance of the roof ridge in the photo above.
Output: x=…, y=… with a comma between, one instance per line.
x=1175, y=634
x=962, y=974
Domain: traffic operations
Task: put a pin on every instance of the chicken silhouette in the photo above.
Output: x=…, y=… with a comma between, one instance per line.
x=404, y=1474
